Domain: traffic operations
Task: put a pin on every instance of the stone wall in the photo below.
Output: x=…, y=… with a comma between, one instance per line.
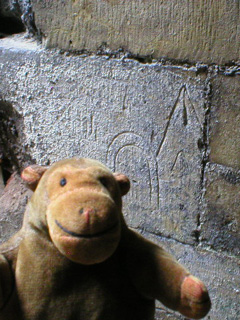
x=150, y=88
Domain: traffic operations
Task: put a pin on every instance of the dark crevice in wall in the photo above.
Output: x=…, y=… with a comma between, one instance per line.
x=6, y=170
x=170, y=239
x=10, y=25
x=229, y=69
x=17, y=17
x=161, y=236
x=205, y=149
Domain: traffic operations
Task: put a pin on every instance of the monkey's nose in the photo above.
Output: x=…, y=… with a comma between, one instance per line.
x=87, y=212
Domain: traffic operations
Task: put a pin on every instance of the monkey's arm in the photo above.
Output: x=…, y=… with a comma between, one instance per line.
x=157, y=275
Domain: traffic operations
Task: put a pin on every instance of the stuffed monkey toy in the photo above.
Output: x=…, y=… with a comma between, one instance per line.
x=76, y=259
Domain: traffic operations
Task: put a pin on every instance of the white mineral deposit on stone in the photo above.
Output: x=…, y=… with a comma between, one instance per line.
x=19, y=42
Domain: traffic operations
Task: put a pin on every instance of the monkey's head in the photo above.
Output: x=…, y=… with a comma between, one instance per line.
x=77, y=202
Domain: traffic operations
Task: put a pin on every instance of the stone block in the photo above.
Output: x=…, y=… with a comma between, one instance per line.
x=202, y=30
x=13, y=201
x=220, y=224
x=225, y=121
x=144, y=120
x=13, y=156
x=220, y=272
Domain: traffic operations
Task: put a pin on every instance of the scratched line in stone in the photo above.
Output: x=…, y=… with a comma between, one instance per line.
x=183, y=112
x=168, y=123
x=129, y=139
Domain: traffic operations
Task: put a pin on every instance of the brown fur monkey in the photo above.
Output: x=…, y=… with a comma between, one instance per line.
x=76, y=259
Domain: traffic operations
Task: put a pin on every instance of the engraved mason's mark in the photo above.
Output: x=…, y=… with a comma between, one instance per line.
x=175, y=161
x=132, y=152
x=165, y=167
x=169, y=121
x=124, y=106
x=127, y=85
x=184, y=109
x=182, y=112
x=179, y=139
x=87, y=125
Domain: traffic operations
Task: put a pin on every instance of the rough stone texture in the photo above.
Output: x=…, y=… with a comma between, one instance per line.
x=204, y=30
x=220, y=272
x=151, y=122
x=144, y=120
x=13, y=203
x=225, y=121
x=166, y=315
x=13, y=155
x=221, y=221
x=220, y=225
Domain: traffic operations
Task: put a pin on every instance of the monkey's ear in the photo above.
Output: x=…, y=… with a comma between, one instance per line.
x=32, y=175
x=123, y=182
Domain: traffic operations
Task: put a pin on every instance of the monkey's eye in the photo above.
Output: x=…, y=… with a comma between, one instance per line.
x=63, y=182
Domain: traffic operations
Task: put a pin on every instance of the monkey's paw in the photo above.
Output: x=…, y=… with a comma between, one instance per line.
x=195, y=302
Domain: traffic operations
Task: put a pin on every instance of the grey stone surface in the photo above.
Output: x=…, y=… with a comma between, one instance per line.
x=219, y=271
x=225, y=121
x=162, y=314
x=13, y=203
x=151, y=122
x=144, y=120
x=220, y=224
x=13, y=155
x=202, y=30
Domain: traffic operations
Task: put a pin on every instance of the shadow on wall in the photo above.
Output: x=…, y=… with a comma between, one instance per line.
x=16, y=17
x=10, y=18
x=13, y=158
x=10, y=25
x=13, y=155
